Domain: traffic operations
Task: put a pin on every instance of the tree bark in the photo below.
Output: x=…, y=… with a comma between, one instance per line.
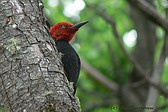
x=31, y=74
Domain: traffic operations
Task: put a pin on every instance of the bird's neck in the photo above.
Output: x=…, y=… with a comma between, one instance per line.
x=62, y=41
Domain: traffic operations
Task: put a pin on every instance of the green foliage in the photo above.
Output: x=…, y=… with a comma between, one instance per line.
x=92, y=41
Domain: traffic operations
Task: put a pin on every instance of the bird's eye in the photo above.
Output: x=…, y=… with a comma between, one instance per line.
x=63, y=26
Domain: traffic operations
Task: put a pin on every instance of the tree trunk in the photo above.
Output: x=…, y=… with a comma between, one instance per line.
x=31, y=73
x=145, y=47
x=143, y=53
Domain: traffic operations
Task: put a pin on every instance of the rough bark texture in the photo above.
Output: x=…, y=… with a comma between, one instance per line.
x=31, y=74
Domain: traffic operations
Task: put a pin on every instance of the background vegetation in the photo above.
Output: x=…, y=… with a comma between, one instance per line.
x=100, y=51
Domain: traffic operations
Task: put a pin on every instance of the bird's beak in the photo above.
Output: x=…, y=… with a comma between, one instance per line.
x=78, y=25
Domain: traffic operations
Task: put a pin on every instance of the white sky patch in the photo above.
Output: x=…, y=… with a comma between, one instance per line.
x=53, y=3
x=165, y=3
x=130, y=38
x=166, y=61
x=47, y=11
x=73, y=8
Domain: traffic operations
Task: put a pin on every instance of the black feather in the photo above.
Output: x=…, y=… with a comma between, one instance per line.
x=70, y=60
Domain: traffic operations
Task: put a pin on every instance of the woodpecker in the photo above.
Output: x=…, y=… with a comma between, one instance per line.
x=63, y=33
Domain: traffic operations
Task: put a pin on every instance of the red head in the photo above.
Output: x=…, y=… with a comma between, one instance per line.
x=65, y=30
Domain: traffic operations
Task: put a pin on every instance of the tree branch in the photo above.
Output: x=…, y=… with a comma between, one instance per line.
x=150, y=12
x=97, y=75
x=109, y=20
x=153, y=92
